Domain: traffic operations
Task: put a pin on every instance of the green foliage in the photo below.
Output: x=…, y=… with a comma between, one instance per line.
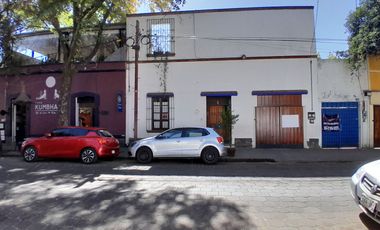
x=363, y=26
x=10, y=25
x=228, y=121
x=338, y=55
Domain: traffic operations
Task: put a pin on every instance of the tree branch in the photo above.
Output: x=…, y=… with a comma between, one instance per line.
x=99, y=34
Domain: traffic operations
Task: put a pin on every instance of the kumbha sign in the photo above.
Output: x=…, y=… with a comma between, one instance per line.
x=46, y=108
x=47, y=100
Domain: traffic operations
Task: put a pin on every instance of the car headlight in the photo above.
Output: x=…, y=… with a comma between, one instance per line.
x=133, y=144
x=359, y=173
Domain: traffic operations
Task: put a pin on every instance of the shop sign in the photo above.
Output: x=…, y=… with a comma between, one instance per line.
x=331, y=123
x=46, y=102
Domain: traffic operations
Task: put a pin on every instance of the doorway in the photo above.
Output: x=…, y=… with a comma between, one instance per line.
x=85, y=110
x=215, y=107
x=279, y=121
x=376, y=126
x=20, y=121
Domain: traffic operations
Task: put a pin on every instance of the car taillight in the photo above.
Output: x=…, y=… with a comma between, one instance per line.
x=102, y=141
x=219, y=139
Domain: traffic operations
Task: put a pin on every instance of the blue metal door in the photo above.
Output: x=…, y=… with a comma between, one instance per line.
x=340, y=124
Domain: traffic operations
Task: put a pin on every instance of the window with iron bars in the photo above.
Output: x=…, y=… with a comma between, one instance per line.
x=161, y=33
x=160, y=111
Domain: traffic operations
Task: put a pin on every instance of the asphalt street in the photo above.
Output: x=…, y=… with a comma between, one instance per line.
x=173, y=194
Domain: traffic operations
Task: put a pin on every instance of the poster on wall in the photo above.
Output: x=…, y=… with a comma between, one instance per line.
x=331, y=123
x=290, y=121
x=46, y=102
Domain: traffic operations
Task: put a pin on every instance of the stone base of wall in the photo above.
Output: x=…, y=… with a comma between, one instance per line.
x=243, y=142
x=313, y=143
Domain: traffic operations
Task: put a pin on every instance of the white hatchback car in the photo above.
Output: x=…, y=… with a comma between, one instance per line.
x=365, y=189
x=180, y=142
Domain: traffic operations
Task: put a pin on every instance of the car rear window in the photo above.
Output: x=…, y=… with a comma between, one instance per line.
x=104, y=133
x=195, y=132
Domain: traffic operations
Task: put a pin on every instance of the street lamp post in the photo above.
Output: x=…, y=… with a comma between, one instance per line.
x=138, y=38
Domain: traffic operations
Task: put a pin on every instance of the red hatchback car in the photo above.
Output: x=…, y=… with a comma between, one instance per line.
x=85, y=143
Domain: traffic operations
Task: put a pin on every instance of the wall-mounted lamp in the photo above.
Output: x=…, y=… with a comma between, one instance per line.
x=119, y=101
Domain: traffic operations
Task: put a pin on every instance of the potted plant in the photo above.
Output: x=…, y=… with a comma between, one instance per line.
x=228, y=122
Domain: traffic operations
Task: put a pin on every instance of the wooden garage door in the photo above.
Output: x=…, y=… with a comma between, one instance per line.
x=279, y=121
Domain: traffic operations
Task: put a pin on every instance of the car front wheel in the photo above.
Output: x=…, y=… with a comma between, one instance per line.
x=88, y=156
x=30, y=154
x=144, y=155
x=210, y=155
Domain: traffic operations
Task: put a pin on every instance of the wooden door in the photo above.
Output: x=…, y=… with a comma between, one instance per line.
x=292, y=136
x=279, y=121
x=214, y=119
x=267, y=126
x=376, y=126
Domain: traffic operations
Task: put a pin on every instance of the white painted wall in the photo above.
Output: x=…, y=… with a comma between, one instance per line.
x=188, y=79
x=229, y=34
x=336, y=83
x=235, y=33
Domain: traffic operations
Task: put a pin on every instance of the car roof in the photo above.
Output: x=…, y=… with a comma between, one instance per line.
x=206, y=128
x=81, y=127
x=191, y=128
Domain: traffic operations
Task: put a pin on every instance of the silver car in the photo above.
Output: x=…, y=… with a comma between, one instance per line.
x=365, y=189
x=180, y=142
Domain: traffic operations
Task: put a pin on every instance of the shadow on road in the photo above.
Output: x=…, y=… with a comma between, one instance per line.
x=70, y=195
x=368, y=222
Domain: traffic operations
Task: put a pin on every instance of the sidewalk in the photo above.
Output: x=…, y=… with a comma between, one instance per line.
x=281, y=155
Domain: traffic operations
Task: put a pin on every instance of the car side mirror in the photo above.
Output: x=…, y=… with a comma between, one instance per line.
x=159, y=137
x=48, y=135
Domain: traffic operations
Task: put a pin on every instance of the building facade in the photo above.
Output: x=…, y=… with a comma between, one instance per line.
x=97, y=99
x=260, y=62
x=345, y=105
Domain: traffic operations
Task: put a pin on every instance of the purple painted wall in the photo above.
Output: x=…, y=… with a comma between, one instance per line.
x=42, y=85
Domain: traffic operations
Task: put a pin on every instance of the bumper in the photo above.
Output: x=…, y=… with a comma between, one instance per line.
x=364, y=198
x=109, y=152
x=222, y=151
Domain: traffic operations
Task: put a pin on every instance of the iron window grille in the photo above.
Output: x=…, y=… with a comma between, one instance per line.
x=159, y=112
x=161, y=33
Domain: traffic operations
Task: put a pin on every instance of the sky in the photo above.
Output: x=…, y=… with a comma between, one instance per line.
x=329, y=16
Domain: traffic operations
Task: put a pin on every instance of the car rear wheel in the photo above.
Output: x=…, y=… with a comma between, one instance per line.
x=144, y=155
x=210, y=155
x=30, y=154
x=88, y=156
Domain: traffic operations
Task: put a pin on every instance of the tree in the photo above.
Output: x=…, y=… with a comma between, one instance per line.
x=363, y=26
x=74, y=21
x=228, y=121
x=10, y=25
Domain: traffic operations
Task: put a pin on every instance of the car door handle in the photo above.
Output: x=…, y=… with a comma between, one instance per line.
x=178, y=141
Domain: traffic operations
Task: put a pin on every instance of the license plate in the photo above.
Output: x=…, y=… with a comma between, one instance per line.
x=368, y=203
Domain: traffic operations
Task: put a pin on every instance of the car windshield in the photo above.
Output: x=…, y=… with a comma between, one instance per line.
x=174, y=133
x=104, y=133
